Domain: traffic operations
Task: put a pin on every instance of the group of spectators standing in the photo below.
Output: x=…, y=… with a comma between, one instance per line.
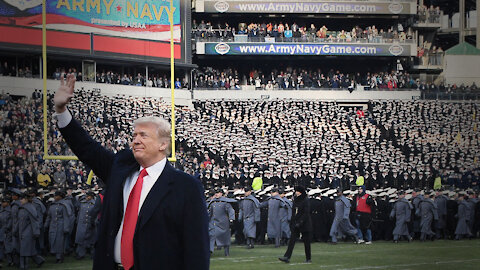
x=47, y=206
x=110, y=77
x=21, y=157
x=429, y=14
x=327, y=215
x=429, y=55
x=333, y=79
x=38, y=222
x=287, y=78
x=8, y=69
x=391, y=143
x=210, y=78
x=156, y=80
x=299, y=33
x=301, y=78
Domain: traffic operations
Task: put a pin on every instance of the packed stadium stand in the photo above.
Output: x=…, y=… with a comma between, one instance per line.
x=401, y=144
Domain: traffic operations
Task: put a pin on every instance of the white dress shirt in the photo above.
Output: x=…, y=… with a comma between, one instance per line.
x=63, y=119
x=154, y=171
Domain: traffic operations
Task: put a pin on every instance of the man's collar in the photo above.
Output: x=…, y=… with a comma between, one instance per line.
x=157, y=168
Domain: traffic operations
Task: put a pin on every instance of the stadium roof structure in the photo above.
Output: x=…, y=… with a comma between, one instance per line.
x=463, y=49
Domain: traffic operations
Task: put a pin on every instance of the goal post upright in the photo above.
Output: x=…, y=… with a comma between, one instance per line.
x=46, y=155
x=172, y=81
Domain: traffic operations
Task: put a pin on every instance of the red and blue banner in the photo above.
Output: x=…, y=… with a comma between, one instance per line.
x=140, y=19
x=129, y=27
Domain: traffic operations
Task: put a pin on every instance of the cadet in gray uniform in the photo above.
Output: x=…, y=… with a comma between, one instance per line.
x=417, y=198
x=441, y=225
x=28, y=230
x=40, y=207
x=427, y=212
x=72, y=203
x=274, y=203
x=222, y=214
x=401, y=211
x=58, y=225
x=463, y=216
x=341, y=222
x=84, y=236
x=6, y=231
x=249, y=212
x=285, y=217
x=472, y=202
x=15, y=241
x=211, y=228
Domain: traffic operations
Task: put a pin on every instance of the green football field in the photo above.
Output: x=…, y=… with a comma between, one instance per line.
x=458, y=255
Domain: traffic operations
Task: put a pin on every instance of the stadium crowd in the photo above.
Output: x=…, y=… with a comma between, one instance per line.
x=292, y=31
x=324, y=144
x=297, y=78
x=110, y=77
x=274, y=79
x=269, y=137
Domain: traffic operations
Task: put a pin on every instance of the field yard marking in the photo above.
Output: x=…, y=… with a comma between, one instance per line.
x=320, y=265
x=405, y=265
x=237, y=261
x=376, y=250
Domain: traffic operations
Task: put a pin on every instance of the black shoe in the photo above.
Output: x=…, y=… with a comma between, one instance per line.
x=333, y=243
x=308, y=261
x=40, y=264
x=396, y=241
x=284, y=259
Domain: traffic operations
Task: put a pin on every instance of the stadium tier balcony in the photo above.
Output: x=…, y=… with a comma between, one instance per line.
x=314, y=39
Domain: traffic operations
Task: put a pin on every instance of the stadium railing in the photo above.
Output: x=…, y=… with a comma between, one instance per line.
x=450, y=96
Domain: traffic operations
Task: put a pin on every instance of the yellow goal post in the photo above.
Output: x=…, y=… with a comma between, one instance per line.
x=46, y=155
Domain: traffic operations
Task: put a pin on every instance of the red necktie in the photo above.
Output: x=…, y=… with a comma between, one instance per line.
x=130, y=221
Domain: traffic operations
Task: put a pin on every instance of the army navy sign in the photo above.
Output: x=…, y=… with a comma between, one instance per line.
x=306, y=6
x=213, y=48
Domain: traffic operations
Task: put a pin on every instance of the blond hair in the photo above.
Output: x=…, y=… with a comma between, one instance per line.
x=163, y=128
